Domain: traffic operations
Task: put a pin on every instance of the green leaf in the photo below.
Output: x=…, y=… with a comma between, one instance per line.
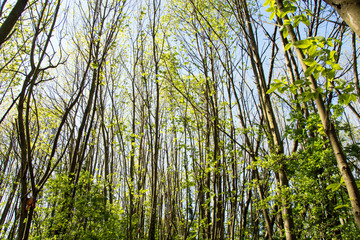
x=272, y=15
x=270, y=9
x=329, y=74
x=267, y=2
x=341, y=206
x=285, y=33
x=287, y=46
x=308, y=96
x=320, y=38
x=94, y=65
x=310, y=62
x=282, y=14
x=296, y=21
x=299, y=81
x=334, y=186
x=319, y=90
x=310, y=70
x=330, y=43
x=303, y=43
x=273, y=88
x=312, y=51
x=286, y=10
x=332, y=55
x=346, y=98
x=287, y=22
x=305, y=20
x=336, y=66
x=327, y=84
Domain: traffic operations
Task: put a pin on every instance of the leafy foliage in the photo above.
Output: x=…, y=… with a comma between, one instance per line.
x=87, y=216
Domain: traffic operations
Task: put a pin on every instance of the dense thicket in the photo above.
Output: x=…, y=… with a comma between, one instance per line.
x=185, y=119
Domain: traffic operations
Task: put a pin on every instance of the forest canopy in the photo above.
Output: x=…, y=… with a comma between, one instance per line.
x=183, y=119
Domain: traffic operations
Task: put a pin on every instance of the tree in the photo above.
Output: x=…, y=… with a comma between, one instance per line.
x=183, y=119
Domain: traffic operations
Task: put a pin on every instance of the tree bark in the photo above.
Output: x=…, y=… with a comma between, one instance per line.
x=11, y=20
x=155, y=156
x=349, y=10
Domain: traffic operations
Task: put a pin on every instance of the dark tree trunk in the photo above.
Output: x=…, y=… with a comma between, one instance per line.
x=11, y=20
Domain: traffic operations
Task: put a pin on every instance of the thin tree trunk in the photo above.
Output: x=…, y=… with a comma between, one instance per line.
x=155, y=155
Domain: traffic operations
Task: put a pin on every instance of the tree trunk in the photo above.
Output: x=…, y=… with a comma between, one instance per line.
x=11, y=20
x=349, y=10
x=155, y=155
